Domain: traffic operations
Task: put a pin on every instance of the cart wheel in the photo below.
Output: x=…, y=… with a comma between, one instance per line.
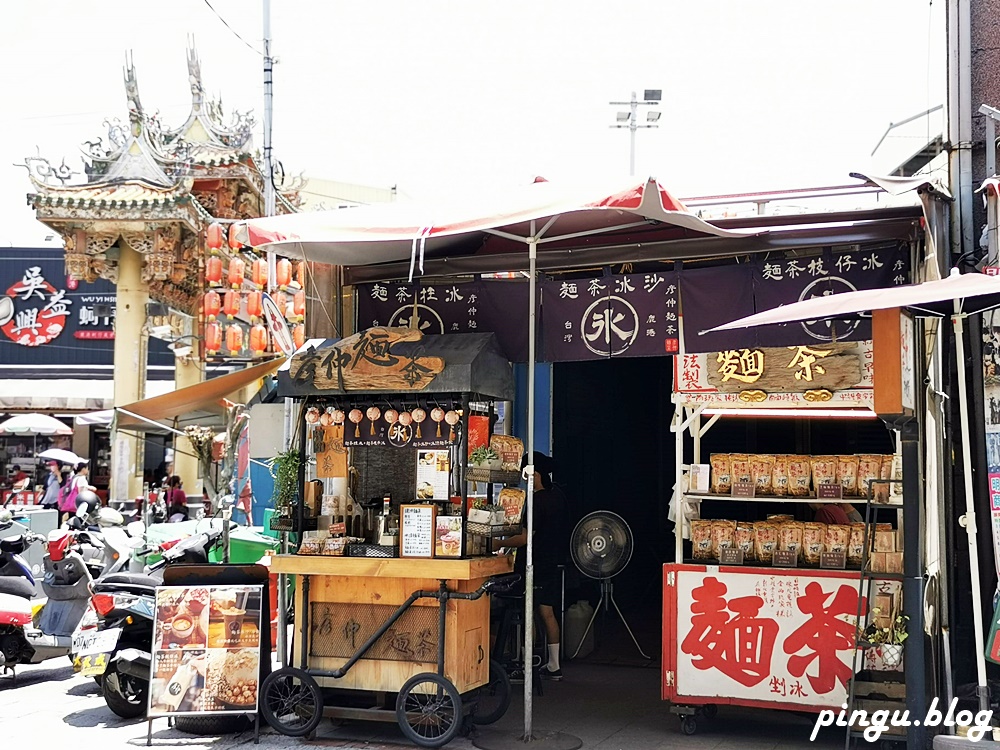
x=689, y=725
x=291, y=702
x=429, y=710
x=493, y=699
x=710, y=710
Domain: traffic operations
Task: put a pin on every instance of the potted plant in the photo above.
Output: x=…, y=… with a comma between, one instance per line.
x=887, y=640
x=285, y=471
x=485, y=457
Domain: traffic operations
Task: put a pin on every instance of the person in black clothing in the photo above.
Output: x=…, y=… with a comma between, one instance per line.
x=549, y=551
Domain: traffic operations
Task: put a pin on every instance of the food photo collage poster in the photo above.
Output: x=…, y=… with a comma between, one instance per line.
x=206, y=650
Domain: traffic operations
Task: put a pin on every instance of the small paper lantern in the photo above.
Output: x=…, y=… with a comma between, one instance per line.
x=211, y=304
x=231, y=304
x=255, y=305
x=299, y=336
x=214, y=236
x=234, y=243
x=213, y=338
x=234, y=339
x=299, y=305
x=258, y=338
x=213, y=271
x=283, y=272
x=237, y=272
x=300, y=273
x=281, y=301
x=258, y=273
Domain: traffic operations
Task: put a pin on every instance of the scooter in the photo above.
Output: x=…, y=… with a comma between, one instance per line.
x=32, y=631
x=119, y=651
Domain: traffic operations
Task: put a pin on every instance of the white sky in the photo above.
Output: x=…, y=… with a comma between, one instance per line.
x=429, y=94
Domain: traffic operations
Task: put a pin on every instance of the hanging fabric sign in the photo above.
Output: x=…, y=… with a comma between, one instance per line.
x=634, y=315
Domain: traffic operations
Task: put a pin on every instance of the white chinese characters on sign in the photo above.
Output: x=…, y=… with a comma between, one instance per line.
x=38, y=311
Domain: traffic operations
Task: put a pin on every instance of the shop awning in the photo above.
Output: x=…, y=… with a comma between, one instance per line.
x=473, y=363
x=65, y=394
x=203, y=403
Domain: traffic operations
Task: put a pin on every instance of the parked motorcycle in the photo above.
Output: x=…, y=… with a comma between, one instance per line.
x=120, y=649
x=33, y=631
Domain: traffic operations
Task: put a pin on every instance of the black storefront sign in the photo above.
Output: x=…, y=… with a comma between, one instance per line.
x=48, y=320
x=634, y=315
x=499, y=307
x=713, y=296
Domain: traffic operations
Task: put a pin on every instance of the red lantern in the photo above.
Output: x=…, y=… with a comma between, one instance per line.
x=237, y=272
x=299, y=304
x=283, y=272
x=258, y=339
x=213, y=271
x=255, y=305
x=231, y=304
x=258, y=273
x=281, y=301
x=214, y=236
x=234, y=339
x=299, y=336
x=213, y=338
x=234, y=243
x=211, y=305
x=300, y=273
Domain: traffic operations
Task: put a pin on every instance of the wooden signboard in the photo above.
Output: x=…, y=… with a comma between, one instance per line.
x=789, y=369
x=416, y=530
x=895, y=369
x=366, y=361
x=331, y=455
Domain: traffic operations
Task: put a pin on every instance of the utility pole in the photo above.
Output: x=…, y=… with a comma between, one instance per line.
x=651, y=97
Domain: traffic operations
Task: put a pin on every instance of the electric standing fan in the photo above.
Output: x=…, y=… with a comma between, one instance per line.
x=601, y=547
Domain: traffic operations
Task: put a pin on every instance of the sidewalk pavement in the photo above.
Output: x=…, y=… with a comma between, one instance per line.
x=608, y=707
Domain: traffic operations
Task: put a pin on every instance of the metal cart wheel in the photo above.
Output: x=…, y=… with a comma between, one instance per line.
x=429, y=710
x=493, y=699
x=291, y=702
x=689, y=725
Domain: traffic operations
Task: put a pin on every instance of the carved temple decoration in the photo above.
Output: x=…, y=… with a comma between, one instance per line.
x=155, y=188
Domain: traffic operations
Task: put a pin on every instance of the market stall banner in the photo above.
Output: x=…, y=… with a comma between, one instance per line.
x=786, y=637
x=417, y=428
x=713, y=296
x=498, y=307
x=633, y=315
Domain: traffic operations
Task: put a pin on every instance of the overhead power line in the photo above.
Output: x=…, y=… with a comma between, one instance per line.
x=226, y=24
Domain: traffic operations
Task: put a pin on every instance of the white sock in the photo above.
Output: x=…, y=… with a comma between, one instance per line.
x=553, y=665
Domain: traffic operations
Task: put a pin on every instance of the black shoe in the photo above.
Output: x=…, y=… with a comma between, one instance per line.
x=551, y=674
x=516, y=676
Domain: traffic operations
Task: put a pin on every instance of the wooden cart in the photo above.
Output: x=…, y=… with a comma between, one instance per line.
x=390, y=640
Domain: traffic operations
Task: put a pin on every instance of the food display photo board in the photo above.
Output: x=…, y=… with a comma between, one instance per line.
x=433, y=474
x=416, y=530
x=206, y=650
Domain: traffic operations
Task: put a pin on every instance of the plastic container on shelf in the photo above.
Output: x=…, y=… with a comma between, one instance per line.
x=577, y=617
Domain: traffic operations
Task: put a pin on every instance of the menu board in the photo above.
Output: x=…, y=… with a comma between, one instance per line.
x=416, y=530
x=206, y=650
x=433, y=473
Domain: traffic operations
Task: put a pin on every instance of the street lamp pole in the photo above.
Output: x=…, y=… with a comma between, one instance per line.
x=651, y=97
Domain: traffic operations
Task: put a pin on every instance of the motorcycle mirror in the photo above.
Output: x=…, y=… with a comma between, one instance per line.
x=82, y=510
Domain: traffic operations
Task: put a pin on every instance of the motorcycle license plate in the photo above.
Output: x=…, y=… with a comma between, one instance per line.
x=92, y=649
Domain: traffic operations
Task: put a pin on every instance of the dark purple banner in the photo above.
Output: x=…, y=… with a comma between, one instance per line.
x=635, y=315
x=712, y=296
x=498, y=307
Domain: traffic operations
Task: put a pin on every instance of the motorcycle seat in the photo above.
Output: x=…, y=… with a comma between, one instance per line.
x=128, y=579
x=16, y=587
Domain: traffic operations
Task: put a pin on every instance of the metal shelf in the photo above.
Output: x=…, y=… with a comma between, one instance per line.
x=697, y=497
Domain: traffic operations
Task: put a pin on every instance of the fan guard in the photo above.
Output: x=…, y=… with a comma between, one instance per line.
x=601, y=544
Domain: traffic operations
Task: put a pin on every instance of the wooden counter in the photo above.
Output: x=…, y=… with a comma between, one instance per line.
x=348, y=598
x=475, y=568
